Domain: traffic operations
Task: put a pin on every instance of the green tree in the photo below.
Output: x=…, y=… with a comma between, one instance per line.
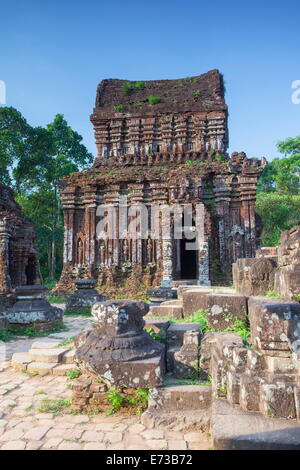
x=282, y=175
x=278, y=198
x=32, y=160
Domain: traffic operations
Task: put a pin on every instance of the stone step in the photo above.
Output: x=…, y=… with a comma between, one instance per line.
x=23, y=362
x=20, y=361
x=48, y=356
x=176, y=331
x=180, y=398
x=180, y=421
x=235, y=429
x=68, y=357
x=62, y=369
x=166, y=311
x=46, y=344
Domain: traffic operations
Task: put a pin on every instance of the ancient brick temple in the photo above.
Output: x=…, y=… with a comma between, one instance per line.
x=161, y=143
x=18, y=256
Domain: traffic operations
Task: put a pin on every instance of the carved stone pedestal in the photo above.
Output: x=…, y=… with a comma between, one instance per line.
x=31, y=309
x=118, y=350
x=85, y=296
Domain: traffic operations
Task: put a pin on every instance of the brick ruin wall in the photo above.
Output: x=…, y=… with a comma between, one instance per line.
x=18, y=255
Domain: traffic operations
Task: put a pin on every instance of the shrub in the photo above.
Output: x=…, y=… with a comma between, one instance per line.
x=119, y=108
x=139, y=85
x=153, y=100
x=197, y=93
x=129, y=87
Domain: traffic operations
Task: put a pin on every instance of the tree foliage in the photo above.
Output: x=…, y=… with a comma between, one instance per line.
x=278, y=198
x=32, y=159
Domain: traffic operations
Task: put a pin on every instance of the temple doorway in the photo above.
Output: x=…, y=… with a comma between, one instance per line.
x=188, y=260
x=30, y=271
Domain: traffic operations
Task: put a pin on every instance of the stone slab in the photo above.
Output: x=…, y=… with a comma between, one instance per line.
x=235, y=429
x=68, y=357
x=20, y=361
x=46, y=344
x=51, y=356
x=62, y=369
x=176, y=332
x=180, y=397
x=166, y=311
x=3, y=322
x=40, y=367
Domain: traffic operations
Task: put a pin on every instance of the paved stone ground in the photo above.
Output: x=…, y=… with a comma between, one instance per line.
x=23, y=426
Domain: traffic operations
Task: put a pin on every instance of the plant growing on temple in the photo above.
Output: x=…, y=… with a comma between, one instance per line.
x=119, y=108
x=129, y=87
x=156, y=336
x=196, y=93
x=139, y=400
x=153, y=100
x=115, y=399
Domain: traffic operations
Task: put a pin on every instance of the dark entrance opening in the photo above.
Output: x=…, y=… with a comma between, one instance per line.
x=188, y=260
x=30, y=271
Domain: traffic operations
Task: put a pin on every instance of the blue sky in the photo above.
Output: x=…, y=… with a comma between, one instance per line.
x=53, y=55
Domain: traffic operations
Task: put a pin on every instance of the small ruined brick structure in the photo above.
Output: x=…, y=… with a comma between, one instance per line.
x=161, y=142
x=18, y=256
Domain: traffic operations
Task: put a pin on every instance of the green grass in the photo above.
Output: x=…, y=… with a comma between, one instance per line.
x=160, y=336
x=5, y=335
x=56, y=299
x=67, y=342
x=53, y=406
x=73, y=374
x=117, y=399
x=31, y=332
x=238, y=326
x=84, y=312
x=273, y=294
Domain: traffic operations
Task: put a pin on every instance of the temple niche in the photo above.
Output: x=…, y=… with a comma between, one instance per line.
x=169, y=154
x=18, y=255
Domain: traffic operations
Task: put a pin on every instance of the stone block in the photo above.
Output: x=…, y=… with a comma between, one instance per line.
x=193, y=300
x=170, y=359
x=20, y=361
x=186, y=360
x=166, y=311
x=180, y=397
x=224, y=309
x=256, y=362
x=254, y=276
x=277, y=400
x=143, y=373
x=40, y=367
x=162, y=294
x=275, y=325
x=52, y=356
x=68, y=357
x=235, y=429
x=62, y=369
x=176, y=332
x=3, y=322
x=249, y=398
